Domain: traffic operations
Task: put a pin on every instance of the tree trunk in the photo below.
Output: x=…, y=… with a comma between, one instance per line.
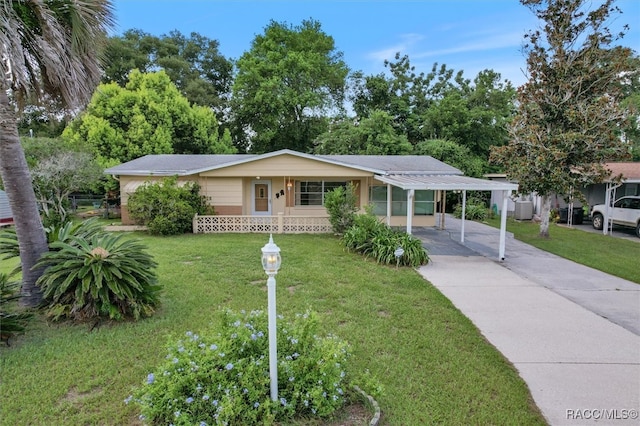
x=22, y=199
x=544, y=216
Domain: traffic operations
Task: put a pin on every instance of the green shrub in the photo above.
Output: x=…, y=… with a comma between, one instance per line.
x=223, y=378
x=361, y=234
x=166, y=208
x=414, y=253
x=474, y=210
x=104, y=276
x=341, y=206
x=52, y=217
x=85, y=230
x=12, y=321
x=370, y=237
x=9, y=247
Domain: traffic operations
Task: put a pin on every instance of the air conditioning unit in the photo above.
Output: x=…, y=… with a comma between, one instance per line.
x=524, y=210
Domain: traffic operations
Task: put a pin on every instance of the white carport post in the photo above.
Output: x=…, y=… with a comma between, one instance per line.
x=607, y=203
x=389, y=204
x=503, y=224
x=410, y=194
x=464, y=208
x=609, y=196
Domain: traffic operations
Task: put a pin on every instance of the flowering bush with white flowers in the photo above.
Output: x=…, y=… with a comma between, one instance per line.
x=223, y=379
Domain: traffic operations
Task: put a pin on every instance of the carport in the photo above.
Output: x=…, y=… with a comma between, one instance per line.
x=435, y=182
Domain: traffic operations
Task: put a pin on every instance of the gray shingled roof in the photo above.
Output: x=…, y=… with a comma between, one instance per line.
x=175, y=164
x=182, y=164
x=396, y=164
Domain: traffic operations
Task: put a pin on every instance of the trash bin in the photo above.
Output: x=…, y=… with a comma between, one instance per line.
x=578, y=216
x=564, y=215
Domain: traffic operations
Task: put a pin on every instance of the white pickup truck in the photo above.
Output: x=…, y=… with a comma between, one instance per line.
x=624, y=212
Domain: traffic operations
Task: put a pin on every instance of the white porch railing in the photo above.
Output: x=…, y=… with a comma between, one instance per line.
x=279, y=224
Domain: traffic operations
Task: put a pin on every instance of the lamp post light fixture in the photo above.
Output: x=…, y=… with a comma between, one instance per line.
x=271, y=263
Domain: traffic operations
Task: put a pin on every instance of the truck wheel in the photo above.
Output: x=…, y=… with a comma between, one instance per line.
x=638, y=230
x=597, y=221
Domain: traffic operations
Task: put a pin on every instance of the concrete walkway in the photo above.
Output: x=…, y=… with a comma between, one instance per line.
x=572, y=332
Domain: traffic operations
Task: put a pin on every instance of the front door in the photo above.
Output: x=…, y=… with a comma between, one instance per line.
x=261, y=197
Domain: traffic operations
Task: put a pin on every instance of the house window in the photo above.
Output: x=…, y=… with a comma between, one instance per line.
x=311, y=193
x=423, y=202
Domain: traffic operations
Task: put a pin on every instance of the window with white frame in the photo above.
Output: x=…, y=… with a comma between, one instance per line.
x=311, y=193
x=423, y=202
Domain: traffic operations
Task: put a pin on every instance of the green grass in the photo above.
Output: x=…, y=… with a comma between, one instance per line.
x=615, y=256
x=433, y=363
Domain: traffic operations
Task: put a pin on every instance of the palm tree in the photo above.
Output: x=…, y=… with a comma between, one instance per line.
x=47, y=48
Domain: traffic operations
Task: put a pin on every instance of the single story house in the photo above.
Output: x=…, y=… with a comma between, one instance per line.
x=628, y=185
x=6, y=217
x=599, y=193
x=283, y=191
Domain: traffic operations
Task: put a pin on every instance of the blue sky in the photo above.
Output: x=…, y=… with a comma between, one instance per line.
x=468, y=35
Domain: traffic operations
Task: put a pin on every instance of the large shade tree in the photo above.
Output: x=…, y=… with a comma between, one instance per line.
x=147, y=116
x=569, y=113
x=46, y=47
x=193, y=63
x=373, y=135
x=440, y=104
x=290, y=80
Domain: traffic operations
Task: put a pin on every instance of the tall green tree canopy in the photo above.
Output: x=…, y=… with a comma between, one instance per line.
x=46, y=48
x=193, y=63
x=474, y=115
x=373, y=135
x=453, y=154
x=404, y=94
x=440, y=104
x=147, y=116
x=630, y=86
x=569, y=113
x=286, y=85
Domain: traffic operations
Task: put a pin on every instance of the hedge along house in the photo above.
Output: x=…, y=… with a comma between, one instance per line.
x=283, y=191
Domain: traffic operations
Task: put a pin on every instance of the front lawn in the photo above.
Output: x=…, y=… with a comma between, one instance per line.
x=434, y=365
x=615, y=256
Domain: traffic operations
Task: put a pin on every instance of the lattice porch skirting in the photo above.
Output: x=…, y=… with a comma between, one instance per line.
x=279, y=224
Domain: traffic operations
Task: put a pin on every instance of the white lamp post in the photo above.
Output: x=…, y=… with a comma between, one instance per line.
x=271, y=263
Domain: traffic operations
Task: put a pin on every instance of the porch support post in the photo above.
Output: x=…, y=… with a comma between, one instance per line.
x=443, y=200
x=503, y=224
x=464, y=208
x=410, y=194
x=389, y=204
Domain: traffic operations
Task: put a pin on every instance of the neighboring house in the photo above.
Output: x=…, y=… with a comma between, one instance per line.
x=594, y=194
x=6, y=217
x=284, y=191
x=628, y=185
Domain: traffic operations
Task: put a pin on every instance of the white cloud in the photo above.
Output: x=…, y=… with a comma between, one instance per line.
x=405, y=44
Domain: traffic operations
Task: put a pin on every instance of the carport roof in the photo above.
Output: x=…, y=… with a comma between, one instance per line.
x=446, y=182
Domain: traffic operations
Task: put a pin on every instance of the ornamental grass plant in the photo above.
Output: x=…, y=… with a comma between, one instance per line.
x=372, y=238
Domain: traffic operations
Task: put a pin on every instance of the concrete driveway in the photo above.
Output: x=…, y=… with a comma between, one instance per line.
x=618, y=231
x=572, y=332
